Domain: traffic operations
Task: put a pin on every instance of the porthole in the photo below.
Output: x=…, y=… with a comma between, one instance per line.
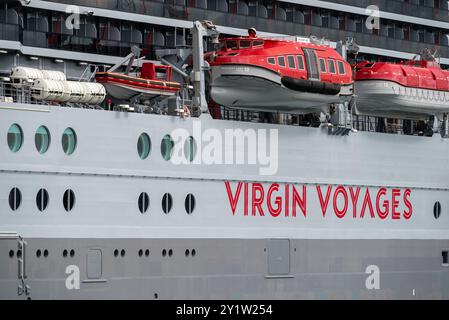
x=69, y=141
x=189, y=203
x=147, y=253
x=15, y=199
x=42, y=139
x=170, y=252
x=45, y=253
x=68, y=200
x=19, y=253
x=167, y=145
x=193, y=252
x=144, y=146
x=167, y=203
x=116, y=253
x=11, y=253
x=144, y=202
x=437, y=210
x=140, y=253
x=42, y=199
x=15, y=137
x=72, y=253
x=190, y=148
x=123, y=252
x=187, y=253
x=38, y=253
x=164, y=253
x=65, y=253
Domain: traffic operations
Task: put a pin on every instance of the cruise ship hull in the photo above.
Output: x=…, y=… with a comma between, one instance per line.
x=314, y=247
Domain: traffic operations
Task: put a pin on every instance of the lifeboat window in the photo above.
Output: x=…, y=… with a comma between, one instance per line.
x=332, y=66
x=272, y=61
x=281, y=61
x=341, y=67
x=300, y=63
x=245, y=44
x=291, y=62
x=232, y=45
x=257, y=43
x=323, y=65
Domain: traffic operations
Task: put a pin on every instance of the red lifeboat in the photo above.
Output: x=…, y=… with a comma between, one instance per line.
x=288, y=75
x=413, y=89
x=153, y=81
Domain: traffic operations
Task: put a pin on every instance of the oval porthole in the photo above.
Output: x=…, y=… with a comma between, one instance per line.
x=42, y=139
x=69, y=141
x=167, y=146
x=15, y=137
x=42, y=199
x=190, y=203
x=167, y=203
x=68, y=200
x=437, y=210
x=190, y=148
x=144, y=202
x=15, y=199
x=144, y=146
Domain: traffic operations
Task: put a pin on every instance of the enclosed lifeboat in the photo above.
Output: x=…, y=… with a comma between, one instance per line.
x=412, y=90
x=288, y=75
x=153, y=81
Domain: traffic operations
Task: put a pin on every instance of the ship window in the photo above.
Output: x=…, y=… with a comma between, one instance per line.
x=144, y=202
x=437, y=210
x=15, y=199
x=15, y=137
x=257, y=43
x=143, y=146
x=69, y=141
x=291, y=62
x=68, y=200
x=341, y=67
x=332, y=66
x=190, y=148
x=190, y=203
x=272, y=61
x=245, y=44
x=445, y=255
x=232, y=45
x=167, y=145
x=323, y=65
x=42, y=139
x=42, y=199
x=167, y=203
x=281, y=61
x=300, y=63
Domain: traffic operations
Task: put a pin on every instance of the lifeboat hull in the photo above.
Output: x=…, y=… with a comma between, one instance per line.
x=125, y=87
x=389, y=99
x=255, y=88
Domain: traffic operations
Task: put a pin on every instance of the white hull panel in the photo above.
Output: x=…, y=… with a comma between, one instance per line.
x=254, y=88
x=390, y=99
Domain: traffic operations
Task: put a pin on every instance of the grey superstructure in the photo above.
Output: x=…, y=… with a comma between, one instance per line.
x=101, y=214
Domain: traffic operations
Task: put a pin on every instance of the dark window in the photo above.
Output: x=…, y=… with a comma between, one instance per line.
x=291, y=62
x=245, y=44
x=445, y=255
x=190, y=203
x=332, y=66
x=257, y=43
x=167, y=203
x=15, y=199
x=341, y=67
x=323, y=65
x=281, y=61
x=68, y=200
x=300, y=62
x=144, y=202
x=232, y=44
x=42, y=199
x=272, y=61
x=437, y=210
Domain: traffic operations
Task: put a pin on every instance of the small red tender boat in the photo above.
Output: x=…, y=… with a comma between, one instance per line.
x=295, y=75
x=153, y=81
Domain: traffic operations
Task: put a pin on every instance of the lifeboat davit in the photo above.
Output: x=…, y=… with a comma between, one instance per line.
x=153, y=81
x=295, y=75
x=412, y=90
